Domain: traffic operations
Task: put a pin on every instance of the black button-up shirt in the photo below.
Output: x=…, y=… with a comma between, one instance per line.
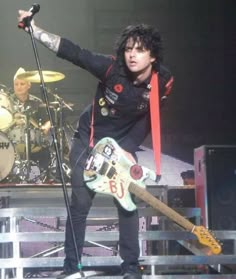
x=121, y=108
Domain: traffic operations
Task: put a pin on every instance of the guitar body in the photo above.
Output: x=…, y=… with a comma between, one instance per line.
x=109, y=171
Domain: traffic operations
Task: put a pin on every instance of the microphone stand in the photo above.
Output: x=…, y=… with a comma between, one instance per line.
x=55, y=143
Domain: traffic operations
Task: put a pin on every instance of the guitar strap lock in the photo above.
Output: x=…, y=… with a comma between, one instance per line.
x=158, y=178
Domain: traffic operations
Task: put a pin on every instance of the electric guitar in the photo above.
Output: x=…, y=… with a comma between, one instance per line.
x=109, y=171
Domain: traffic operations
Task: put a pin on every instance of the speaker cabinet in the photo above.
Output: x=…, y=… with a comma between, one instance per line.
x=177, y=197
x=215, y=179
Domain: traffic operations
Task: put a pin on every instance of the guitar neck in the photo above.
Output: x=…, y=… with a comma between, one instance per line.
x=160, y=206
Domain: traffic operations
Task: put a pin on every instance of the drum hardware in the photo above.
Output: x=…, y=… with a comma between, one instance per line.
x=58, y=101
x=48, y=76
x=58, y=106
x=52, y=171
x=67, y=170
x=37, y=139
x=12, y=168
x=59, y=121
x=19, y=141
x=27, y=146
x=26, y=172
x=54, y=105
x=61, y=103
x=26, y=140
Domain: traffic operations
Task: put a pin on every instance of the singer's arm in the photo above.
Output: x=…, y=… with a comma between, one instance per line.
x=49, y=40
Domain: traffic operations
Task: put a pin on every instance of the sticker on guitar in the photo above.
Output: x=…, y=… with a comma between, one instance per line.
x=109, y=171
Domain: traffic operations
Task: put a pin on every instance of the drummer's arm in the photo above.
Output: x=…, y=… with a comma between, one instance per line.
x=46, y=127
x=19, y=119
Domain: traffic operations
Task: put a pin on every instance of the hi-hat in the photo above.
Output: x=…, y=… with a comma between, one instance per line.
x=48, y=76
x=57, y=104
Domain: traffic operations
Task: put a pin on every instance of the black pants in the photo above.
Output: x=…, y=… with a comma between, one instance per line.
x=81, y=201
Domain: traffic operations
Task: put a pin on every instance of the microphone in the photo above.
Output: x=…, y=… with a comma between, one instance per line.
x=26, y=21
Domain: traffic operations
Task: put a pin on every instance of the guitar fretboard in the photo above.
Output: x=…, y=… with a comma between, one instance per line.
x=160, y=206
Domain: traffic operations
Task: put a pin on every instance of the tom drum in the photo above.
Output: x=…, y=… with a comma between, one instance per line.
x=37, y=138
x=6, y=116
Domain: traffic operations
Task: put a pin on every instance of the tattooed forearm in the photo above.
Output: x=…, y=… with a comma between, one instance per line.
x=49, y=40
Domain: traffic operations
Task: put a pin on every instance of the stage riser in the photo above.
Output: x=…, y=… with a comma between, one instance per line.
x=48, y=204
x=10, y=218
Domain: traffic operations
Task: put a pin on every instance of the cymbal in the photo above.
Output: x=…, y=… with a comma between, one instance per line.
x=48, y=76
x=55, y=104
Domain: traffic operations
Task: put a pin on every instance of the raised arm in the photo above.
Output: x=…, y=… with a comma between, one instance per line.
x=49, y=40
x=94, y=63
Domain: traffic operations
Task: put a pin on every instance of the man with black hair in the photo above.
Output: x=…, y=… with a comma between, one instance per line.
x=121, y=110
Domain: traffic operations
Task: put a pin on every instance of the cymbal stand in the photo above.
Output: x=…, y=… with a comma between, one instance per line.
x=27, y=144
x=59, y=121
x=27, y=23
x=61, y=130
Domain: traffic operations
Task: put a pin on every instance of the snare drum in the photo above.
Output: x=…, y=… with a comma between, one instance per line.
x=7, y=155
x=37, y=139
x=6, y=116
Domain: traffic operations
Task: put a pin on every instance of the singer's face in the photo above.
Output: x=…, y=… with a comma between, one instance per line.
x=137, y=58
x=21, y=89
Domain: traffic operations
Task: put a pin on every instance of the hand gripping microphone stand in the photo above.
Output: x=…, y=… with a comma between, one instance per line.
x=27, y=23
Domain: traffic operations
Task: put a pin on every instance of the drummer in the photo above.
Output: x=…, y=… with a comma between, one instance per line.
x=26, y=105
x=24, y=102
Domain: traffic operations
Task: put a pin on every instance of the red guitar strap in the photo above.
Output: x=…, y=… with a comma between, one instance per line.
x=155, y=121
x=91, y=141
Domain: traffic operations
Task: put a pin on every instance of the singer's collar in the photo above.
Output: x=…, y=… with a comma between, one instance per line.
x=145, y=84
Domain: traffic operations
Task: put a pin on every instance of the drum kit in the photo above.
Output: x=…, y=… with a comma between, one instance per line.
x=19, y=142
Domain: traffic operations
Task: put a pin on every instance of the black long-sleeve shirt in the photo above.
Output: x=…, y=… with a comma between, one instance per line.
x=120, y=109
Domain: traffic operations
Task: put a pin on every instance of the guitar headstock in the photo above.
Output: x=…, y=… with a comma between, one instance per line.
x=207, y=239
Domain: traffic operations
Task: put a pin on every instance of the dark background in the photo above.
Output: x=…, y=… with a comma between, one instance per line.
x=199, y=41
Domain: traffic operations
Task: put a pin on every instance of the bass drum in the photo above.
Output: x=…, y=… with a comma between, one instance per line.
x=7, y=155
x=6, y=116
